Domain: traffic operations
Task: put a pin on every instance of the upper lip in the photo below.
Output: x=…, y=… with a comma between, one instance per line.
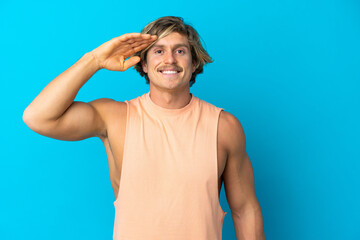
x=172, y=68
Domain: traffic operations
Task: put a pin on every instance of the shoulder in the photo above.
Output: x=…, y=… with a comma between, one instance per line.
x=207, y=105
x=107, y=105
x=230, y=132
x=108, y=108
x=229, y=122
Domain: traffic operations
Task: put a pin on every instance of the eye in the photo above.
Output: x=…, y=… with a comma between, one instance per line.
x=180, y=51
x=158, y=51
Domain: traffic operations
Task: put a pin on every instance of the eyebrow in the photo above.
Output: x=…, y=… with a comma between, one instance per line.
x=175, y=46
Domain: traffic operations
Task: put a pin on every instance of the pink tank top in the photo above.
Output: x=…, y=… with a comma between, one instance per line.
x=169, y=178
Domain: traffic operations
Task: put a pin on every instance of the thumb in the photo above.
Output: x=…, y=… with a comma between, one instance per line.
x=131, y=62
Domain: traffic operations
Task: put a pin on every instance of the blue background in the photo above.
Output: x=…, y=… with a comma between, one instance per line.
x=288, y=70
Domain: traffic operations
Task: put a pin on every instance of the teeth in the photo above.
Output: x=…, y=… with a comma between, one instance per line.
x=169, y=72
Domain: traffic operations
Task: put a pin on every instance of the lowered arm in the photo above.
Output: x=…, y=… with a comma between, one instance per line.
x=238, y=179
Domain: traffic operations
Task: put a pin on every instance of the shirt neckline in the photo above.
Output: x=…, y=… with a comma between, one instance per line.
x=168, y=111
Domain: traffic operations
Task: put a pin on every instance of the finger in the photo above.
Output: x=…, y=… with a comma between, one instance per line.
x=131, y=38
x=141, y=47
x=127, y=36
x=153, y=37
x=138, y=43
x=134, y=37
x=131, y=62
x=131, y=43
x=148, y=36
x=141, y=39
x=135, y=47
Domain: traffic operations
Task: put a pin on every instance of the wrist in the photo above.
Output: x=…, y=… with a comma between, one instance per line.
x=95, y=60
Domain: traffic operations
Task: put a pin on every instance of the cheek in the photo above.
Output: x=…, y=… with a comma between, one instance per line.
x=152, y=63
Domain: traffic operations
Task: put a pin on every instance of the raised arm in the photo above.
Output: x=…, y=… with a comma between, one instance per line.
x=239, y=181
x=55, y=114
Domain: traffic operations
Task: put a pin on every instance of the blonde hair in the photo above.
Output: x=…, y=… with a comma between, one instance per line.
x=163, y=27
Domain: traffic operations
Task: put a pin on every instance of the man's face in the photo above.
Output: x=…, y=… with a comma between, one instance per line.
x=169, y=63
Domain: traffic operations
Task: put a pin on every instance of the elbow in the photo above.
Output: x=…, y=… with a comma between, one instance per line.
x=38, y=123
x=31, y=120
x=248, y=210
x=26, y=117
x=249, y=223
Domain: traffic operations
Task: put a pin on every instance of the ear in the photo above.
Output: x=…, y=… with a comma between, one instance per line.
x=193, y=66
x=144, y=66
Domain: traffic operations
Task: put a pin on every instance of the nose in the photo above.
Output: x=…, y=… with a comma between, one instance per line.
x=169, y=58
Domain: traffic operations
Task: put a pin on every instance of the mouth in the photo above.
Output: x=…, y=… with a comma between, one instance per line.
x=169, y=72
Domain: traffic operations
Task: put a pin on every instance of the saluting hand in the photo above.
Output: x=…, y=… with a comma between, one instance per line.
x=111, y=55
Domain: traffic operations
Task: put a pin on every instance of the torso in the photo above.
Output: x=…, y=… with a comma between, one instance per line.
x=114, y=145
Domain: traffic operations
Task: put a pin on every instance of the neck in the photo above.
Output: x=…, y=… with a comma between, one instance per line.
x=171, y=100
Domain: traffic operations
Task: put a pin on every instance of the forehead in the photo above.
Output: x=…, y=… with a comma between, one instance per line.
x=172, y=39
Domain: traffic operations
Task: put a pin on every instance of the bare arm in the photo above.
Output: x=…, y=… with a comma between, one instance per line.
x=239, y=181
x=54, y=113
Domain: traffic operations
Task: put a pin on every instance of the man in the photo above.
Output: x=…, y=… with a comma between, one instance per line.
x=168, y=151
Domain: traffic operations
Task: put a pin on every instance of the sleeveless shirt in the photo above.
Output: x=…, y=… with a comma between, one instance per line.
x=169, y=177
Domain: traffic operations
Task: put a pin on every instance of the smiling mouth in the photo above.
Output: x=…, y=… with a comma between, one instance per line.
x=169, y=71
